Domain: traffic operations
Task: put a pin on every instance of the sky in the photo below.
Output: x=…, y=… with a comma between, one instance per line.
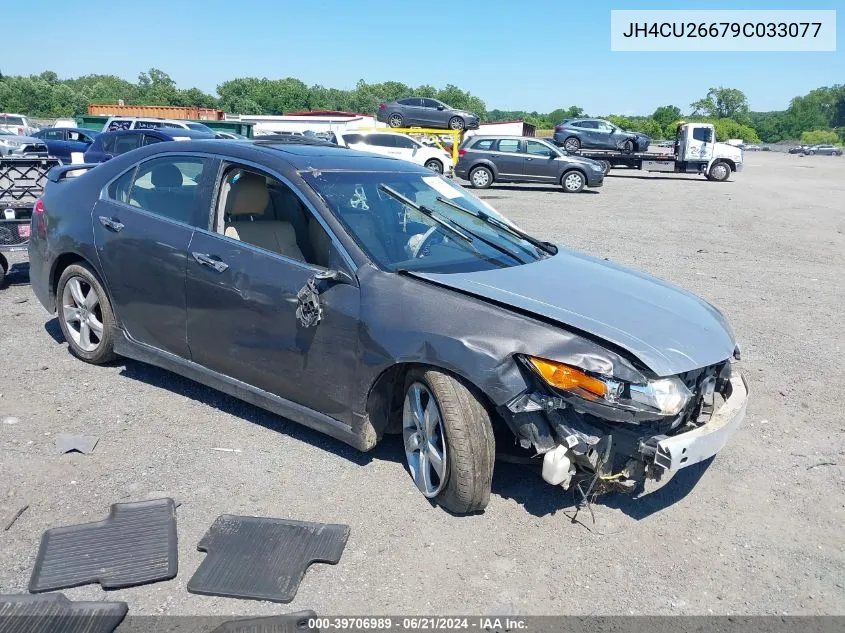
x=530, y=55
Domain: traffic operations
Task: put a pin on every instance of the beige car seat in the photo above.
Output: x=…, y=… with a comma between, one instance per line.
x=248, y=198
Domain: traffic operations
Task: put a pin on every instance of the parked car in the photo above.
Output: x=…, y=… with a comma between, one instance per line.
x=425, y=112
x=12, y=144
x=229, y=135
x=62, y=141
x=824, y=150
x=110, y=144
x=799, y=149
x=751, y=148
x=574, y=134
x=71, y=123
x=358, y=294
x=397, y=146
x=17, y=124
x=152, y=123
x=484, y=160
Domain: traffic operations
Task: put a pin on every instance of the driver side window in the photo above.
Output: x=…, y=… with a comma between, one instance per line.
x=260, y=210
x=538, y=149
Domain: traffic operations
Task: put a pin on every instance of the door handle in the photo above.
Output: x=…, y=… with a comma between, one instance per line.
x=211, y=262
x=529, y=158
x=110, y=223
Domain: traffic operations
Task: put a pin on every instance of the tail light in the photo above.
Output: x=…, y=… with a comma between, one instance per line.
x=558, y=128
x=381, y=106
x=39, y=218
x=461, y=152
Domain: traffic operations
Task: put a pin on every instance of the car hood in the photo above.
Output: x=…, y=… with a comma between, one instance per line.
x=668, y=329
x=22, y=139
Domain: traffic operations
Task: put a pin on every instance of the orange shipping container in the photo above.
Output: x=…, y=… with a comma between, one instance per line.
x=162, y=112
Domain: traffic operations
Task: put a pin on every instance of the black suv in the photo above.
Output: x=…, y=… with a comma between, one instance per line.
x=484, y=160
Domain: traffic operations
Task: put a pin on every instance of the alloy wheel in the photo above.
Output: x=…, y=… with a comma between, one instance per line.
x=425, y=442
x=480, y=178
x=82, y=314
x=571, y=145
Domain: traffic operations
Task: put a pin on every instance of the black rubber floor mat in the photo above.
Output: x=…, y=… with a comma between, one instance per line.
x=289, y=623
x=263, y=559
x=54, y=613
x=135, y=545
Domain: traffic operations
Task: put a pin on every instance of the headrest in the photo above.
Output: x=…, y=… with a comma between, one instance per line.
x=167, y=175
x=248, y=195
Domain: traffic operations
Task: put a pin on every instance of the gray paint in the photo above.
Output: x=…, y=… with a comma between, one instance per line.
x=668, y=329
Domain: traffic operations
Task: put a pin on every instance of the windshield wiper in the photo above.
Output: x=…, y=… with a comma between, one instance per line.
x=459, y=229
x=426, y=212
x=498, y=223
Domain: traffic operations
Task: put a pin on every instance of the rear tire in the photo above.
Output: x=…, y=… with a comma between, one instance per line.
x=481, y=177
x=457, y=123
x=86, y=319
x=434, y=165
x=573, y=181
x=466, y=439
x=572, y=144
x=605, y=166
x=395, y=120
x=4, y=266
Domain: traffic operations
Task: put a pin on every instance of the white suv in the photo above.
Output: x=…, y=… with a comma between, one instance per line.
x=398, y=146
x=151, y=123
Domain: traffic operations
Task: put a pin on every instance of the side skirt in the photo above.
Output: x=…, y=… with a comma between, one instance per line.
x=124, y=346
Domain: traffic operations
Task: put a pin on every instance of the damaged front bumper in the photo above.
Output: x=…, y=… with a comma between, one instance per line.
x=685, y=449
x=624, y=456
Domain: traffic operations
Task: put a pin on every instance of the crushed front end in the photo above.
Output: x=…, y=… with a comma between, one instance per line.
x=600, y=433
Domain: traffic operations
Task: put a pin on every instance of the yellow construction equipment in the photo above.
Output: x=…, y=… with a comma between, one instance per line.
x=435, y=134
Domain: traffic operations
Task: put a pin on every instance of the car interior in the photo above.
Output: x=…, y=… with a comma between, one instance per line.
x=165, y=187
x=262, y=211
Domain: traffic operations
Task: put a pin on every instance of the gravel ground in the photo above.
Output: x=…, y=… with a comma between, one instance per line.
x=759, y=530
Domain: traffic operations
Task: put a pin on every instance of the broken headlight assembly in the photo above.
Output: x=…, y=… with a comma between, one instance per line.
x=658, y=398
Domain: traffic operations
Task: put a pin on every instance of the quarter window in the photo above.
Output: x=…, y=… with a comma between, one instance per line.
x=149, y=139
x=169, y=187
x=119, y=189
x=509, y=145
x=486, y=143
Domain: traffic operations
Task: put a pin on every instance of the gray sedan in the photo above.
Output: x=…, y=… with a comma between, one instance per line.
x=575, y=134
x=424, y=112
x=363, y=296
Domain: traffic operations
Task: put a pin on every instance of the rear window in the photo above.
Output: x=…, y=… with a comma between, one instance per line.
x=486, y=143
x=119, y=124
x=125, y=143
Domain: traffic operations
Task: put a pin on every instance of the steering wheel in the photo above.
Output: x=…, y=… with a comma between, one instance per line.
x=421, y=249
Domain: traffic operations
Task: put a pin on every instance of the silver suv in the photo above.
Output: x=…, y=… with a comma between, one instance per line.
x=484, y=160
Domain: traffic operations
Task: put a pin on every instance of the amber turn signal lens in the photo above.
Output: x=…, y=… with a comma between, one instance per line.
x=566, y=377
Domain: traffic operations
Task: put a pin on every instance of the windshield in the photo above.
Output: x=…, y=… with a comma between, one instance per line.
x=378, y=210
x=199, y=127
x=11, y=120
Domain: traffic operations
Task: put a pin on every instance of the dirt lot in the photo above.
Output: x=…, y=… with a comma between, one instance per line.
x=758, y=531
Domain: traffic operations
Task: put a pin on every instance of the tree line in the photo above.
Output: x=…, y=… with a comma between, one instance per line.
x=817, y=117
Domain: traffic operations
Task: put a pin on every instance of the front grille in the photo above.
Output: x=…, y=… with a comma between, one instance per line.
x=34, y=148
x=14, y=232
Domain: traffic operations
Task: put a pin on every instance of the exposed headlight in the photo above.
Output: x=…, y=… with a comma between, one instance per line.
x=663, y=396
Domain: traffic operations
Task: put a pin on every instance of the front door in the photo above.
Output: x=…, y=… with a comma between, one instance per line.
x=142, y=229
x=245, y=275
x=540, y=163
x=508, y=158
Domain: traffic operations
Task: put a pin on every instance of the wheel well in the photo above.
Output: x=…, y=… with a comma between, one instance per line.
x=384, y=401
x=489, y=166
x=436, y=160
x=62, y=262
x=729, y=162
x=571, y=169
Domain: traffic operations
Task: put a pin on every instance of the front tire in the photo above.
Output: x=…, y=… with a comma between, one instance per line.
x=719, y=171
x=628, y=146
x=457, y=123
x=434, y=165
x=85, y=315
x=449, y=445
x=481, y=178
x=572, y=181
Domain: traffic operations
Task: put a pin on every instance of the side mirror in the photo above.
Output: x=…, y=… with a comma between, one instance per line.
x=337, y=276
x=440, y=107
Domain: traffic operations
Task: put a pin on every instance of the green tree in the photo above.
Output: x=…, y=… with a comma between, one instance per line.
x=819, y=137
x=723, y=103
x=667, y=116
